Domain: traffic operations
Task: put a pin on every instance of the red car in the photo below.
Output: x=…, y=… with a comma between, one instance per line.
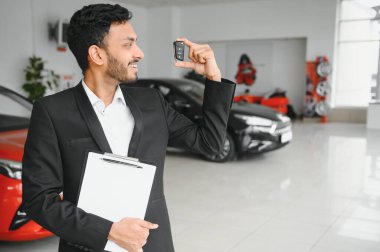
x=15, y=225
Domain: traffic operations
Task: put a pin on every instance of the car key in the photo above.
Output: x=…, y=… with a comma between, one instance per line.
x=179, y=50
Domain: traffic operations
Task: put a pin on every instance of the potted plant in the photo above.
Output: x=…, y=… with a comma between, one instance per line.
x=37, y=78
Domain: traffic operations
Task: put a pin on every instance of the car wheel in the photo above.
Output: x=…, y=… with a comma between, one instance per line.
x=227, y=153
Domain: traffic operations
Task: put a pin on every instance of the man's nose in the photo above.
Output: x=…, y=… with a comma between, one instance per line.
x=139, y=53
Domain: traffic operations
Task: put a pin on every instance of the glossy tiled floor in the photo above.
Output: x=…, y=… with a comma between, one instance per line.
x=321, y=193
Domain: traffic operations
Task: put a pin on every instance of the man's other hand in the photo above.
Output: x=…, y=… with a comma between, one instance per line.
x=202, y=60
x=131, y=233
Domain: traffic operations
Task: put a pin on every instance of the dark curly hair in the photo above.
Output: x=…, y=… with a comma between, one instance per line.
x=89, y=25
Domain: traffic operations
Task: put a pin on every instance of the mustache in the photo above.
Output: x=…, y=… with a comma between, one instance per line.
x=134, y=61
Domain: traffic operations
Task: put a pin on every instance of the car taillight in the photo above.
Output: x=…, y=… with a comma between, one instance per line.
x=19, y=219
x=10, y=169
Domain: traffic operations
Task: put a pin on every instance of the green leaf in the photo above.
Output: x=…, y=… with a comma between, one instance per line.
x=35, y=81
x=48, y=83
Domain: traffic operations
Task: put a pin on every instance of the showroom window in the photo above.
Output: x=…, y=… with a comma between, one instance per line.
x=357, y=55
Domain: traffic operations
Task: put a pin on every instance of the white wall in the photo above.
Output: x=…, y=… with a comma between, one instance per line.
x=15, y=40
x=289, y=70
x=23, y=29
x=163, y=29
x=280, y=63
x=241, y=21
x=312, y=19
x=24, y=32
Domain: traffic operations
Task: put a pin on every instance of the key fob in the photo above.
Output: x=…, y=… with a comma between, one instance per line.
x=179, y=50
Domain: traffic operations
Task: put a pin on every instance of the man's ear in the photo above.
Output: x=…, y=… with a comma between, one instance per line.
x=96, y=55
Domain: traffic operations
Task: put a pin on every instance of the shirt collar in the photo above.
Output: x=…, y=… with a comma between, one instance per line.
x=94, y=99
x=91, y=96
x=119, y=95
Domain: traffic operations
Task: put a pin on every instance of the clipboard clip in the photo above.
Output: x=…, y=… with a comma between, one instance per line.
x=121, y=157
x=126, y=161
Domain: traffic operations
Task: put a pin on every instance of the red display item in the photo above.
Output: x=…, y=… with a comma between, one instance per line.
x=317, y=87
x=278, y=103
x=246, y=72
x=324, y=68
x=14, y=224
x=323, y=88
x=322, y=108
x=309, y=107
x=248, y=98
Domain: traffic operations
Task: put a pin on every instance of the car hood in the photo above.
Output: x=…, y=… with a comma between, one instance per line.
x=255, y=110
x=12, y=144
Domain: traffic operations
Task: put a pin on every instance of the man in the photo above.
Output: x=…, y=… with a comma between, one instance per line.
x=101, y=115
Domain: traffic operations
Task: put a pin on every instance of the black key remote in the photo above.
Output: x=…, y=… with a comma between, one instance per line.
x=179, y=50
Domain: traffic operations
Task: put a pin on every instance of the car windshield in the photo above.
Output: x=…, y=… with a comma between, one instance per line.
x=15, y=111
x=192, y=88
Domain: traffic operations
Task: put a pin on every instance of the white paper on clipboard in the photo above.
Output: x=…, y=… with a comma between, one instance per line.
x=115, y=187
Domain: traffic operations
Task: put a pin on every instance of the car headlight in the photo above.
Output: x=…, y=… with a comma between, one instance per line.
x=283, y=118
x=255, y=120
x=259, y=124
x=10, y=169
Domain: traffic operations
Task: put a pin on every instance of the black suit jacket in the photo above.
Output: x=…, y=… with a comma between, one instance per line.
x=64, y=127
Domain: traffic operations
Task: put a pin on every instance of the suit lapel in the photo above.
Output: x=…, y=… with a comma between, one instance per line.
x=138, y=129
x=91, y=119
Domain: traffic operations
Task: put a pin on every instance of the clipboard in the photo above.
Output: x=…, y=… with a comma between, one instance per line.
x=115, y=187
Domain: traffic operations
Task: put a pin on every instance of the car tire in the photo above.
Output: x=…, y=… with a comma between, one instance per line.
x=228, y=152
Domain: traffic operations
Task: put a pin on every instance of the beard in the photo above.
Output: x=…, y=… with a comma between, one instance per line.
x=117, y=70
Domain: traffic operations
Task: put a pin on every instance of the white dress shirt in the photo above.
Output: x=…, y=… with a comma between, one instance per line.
x=116, y=119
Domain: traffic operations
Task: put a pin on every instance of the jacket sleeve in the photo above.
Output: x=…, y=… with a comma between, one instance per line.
x=42, y=181
x=208, y=136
